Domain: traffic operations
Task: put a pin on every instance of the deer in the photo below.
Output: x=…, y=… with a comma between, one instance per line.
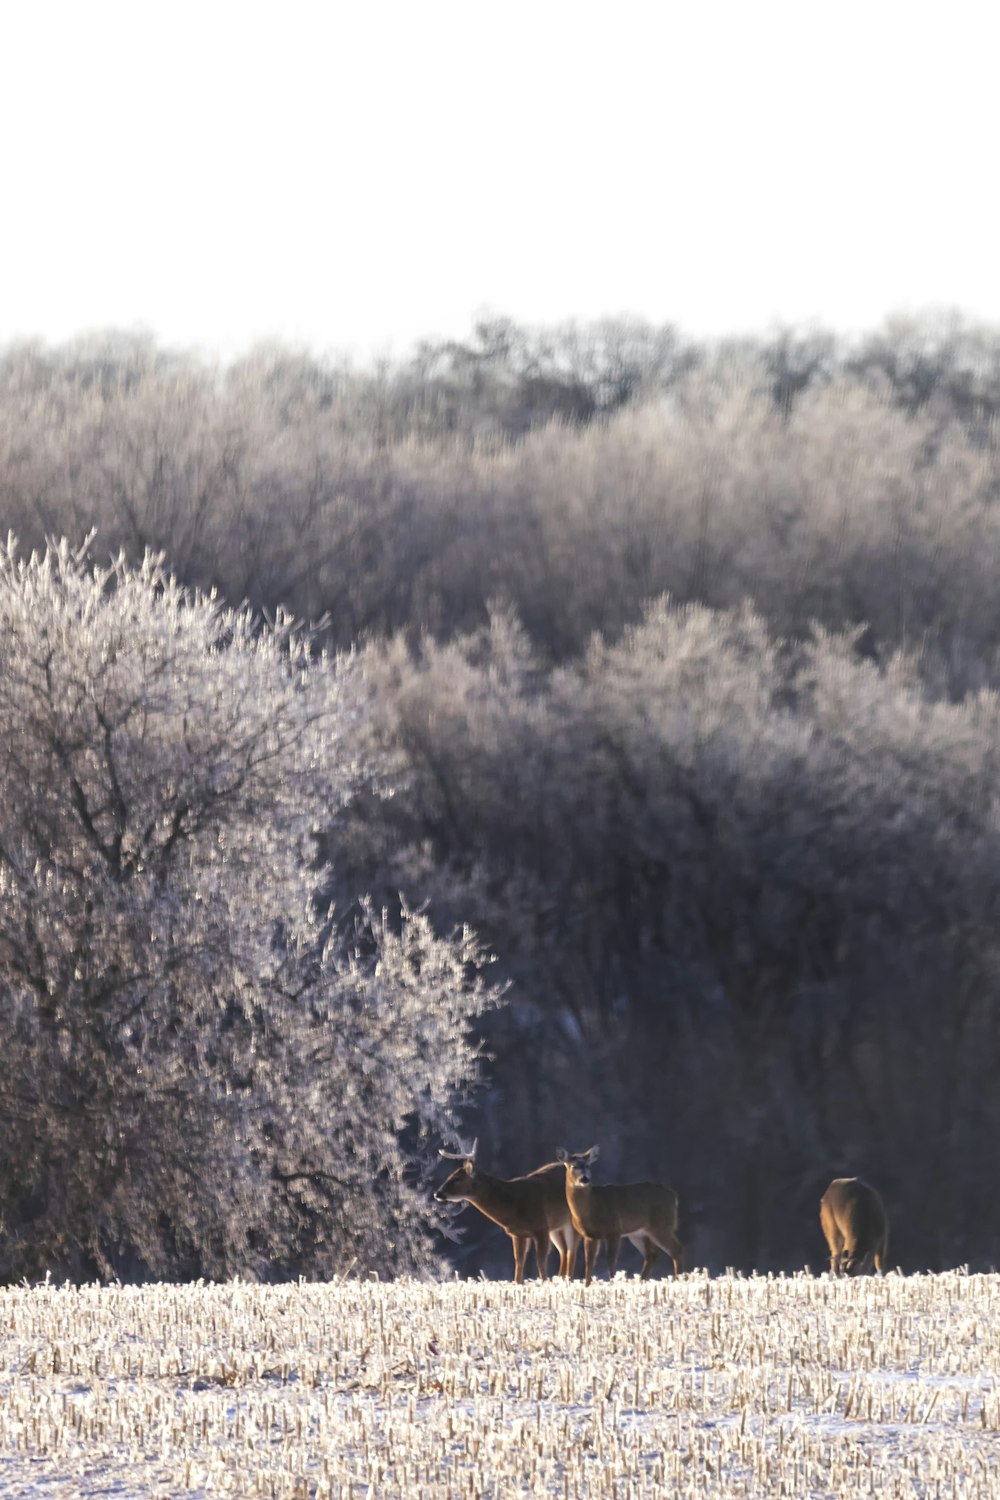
x=531, y=1209
x=643, y=1212
x=856, y=1227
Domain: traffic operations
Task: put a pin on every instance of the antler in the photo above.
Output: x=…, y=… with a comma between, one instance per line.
x=468, y=1155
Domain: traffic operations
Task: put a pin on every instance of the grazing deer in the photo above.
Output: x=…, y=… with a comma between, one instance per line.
x=532, y=1209
x=643, y=1212
x=855, y=1225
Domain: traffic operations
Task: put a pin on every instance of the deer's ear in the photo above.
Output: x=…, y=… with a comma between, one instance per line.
x=470, y=1167
x=561, y=1154
x=593, y=1153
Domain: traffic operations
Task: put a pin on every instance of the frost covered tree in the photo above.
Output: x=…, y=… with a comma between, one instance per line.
x=200, y=1076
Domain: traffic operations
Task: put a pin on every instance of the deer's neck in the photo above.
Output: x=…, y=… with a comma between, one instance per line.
x=579, y=1199
x=487, y=1190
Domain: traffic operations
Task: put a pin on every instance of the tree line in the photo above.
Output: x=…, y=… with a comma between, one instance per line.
x=848, y=486
x=676, y=674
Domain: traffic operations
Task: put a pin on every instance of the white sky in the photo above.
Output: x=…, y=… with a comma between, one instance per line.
x=354, y=176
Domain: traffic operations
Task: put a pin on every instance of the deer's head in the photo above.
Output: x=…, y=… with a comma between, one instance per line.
x=578, y=1165
x=461, y=1181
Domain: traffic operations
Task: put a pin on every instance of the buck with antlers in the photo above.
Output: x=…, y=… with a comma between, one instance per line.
x=856, y=1226
x=532, y=1209
x=643, y=1212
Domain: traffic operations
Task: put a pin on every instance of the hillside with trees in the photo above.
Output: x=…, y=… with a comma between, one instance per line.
x=670, y=669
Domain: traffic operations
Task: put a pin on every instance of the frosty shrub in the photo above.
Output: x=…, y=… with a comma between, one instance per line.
x=200, y=1077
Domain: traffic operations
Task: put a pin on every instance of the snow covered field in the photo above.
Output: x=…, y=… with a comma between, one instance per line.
x=705, y=1387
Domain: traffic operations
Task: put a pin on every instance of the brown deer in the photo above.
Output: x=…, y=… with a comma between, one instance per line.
x=532, y=1209
x=643, y=1212
x=855, y=1225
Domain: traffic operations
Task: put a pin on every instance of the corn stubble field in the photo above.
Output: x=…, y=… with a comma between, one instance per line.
x=719, y=1386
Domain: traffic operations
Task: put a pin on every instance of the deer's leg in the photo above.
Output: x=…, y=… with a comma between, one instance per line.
x=836, y=1242
x=650, y=1250
x=833, y=1236
x=565, y=1242
x=591, y=1249
x=521, y=1243
x=612, y=1245
x=542, y=1248
x=572, y=1250
x=675, y=1250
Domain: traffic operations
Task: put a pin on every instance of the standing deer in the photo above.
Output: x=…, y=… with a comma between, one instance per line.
x=643, y=1212
x=855, y=1225
x=532, y=1209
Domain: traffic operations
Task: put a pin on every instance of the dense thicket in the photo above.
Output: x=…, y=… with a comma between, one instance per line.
x=685, y=663
x=748, y=894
